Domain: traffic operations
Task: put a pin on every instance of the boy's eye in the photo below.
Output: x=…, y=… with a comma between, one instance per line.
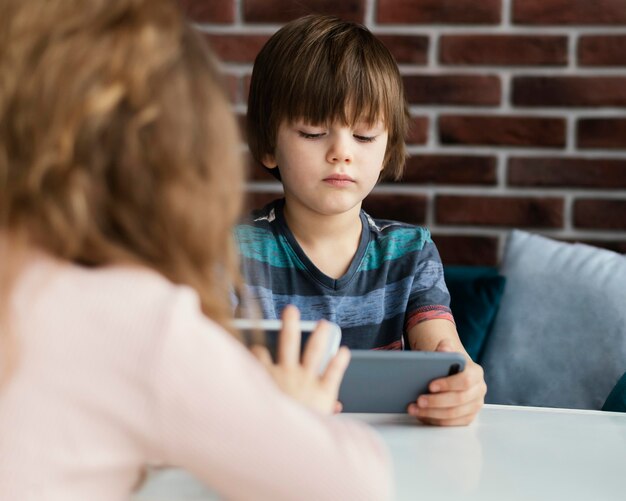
x=308, y=135
x=365, y=139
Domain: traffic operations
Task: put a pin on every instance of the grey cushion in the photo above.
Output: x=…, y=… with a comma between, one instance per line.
x=559, y=339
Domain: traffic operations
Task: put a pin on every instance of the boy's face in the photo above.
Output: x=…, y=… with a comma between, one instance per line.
x=328, y=169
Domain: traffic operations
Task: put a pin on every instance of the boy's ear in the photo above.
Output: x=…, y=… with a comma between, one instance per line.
x=269, y=161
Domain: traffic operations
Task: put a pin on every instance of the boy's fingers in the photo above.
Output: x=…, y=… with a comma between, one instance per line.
x=336, y=368
x=460, y=421
x=447, y=413
x=471, y=376
x=316, y=347
x=451, y=399
x=449, y=383
x=289, y=337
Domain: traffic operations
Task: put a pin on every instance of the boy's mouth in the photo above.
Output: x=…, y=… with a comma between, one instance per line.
x=339, y=180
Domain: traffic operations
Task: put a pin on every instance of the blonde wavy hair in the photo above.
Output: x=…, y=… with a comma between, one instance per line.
x=117, y=144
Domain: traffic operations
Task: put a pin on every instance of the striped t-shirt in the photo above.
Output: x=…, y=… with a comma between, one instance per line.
x=394, y=281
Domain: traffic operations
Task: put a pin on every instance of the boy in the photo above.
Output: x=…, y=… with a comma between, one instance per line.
x=327, y=116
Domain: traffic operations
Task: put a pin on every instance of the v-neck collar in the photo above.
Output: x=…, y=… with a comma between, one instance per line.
x=314, y=271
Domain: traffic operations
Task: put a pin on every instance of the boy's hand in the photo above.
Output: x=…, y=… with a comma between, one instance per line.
x=302, y=380
x=454, y=400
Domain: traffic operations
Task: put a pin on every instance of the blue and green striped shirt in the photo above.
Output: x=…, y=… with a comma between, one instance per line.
x=394, y=281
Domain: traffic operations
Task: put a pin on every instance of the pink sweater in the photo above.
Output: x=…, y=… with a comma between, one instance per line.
x=118, y=367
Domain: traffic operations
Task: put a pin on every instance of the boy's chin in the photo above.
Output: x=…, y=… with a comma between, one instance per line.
x=334, y=205
x=337, y=209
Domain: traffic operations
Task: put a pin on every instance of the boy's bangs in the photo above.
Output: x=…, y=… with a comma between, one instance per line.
x=346, y=97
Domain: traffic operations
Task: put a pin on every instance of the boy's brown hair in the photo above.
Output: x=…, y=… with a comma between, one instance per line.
x=322, y=69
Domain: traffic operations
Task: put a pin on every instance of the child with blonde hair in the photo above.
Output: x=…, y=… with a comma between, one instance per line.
x=120, y=182
x=327, y=116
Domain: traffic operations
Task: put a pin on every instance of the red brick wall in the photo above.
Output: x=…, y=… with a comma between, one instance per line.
x=519, y=112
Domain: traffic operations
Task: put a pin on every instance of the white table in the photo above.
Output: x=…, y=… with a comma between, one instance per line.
x=509, y=453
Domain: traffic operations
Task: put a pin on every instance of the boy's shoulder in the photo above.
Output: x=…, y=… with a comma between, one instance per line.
x=397, y=241
x=259, y=218
x=385, y=230
x=257, y=230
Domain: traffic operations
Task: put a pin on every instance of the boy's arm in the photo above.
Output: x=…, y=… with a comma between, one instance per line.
x=454, y=400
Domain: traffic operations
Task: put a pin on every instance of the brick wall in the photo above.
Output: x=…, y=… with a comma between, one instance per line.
x=519, y=112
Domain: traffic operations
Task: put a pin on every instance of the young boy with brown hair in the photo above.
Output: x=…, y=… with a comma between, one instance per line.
x=327, y=116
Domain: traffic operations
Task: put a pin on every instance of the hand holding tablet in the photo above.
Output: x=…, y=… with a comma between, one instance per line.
x=266, y=333
x=374, y=382
x=309, y=372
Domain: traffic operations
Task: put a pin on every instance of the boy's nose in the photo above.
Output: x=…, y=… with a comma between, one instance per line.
x=339, y=153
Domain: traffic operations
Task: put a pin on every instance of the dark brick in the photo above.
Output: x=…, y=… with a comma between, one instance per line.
x=601, y=133
x=209, y=11
x=241, y=122
x=600, y=214
x=257, y=199
x=569, y=91
x=232, y=84
x=569, y=12
x=499, y=211
x=259, y=173
x=438, y=11
x=453, y=89
x=246, y=88
x=407, y=48
x=467, y=250
x=418, y=131
x=398, y=207
x=609, y=50
x=618, y=246
x=505, y=50
x=502, y=130
x=281, y=11
x=567, y=172
x=450, y=169
x=256, y=172
x=237, y=48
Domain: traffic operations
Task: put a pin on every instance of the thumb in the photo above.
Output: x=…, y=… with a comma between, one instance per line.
x=444, y=345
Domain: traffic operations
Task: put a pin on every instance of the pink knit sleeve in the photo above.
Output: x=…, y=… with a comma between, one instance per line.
x=222, y=418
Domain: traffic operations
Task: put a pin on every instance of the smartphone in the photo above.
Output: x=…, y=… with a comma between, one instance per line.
x=265, y=333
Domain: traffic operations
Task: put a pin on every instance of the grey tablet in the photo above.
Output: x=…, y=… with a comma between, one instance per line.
x=387, y=381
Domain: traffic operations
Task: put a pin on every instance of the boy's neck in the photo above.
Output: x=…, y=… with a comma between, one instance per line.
x=329, y=241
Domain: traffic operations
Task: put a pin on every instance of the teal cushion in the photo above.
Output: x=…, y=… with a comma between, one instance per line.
x=475, y=293
x=616, y=401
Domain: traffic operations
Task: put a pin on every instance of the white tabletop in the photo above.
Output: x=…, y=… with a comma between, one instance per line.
x=509, y=453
